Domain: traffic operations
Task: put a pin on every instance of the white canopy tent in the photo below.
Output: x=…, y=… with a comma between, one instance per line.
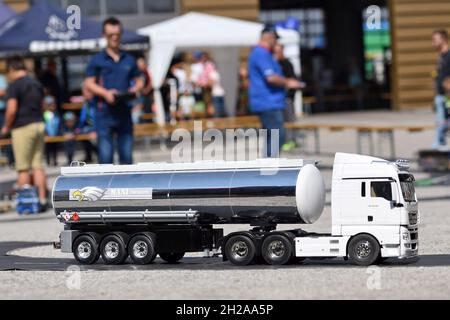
x=221, y=36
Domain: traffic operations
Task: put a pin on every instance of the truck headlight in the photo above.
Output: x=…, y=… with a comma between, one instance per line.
x=405, y=236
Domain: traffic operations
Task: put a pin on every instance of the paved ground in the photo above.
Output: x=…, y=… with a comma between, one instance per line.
x=31, y=268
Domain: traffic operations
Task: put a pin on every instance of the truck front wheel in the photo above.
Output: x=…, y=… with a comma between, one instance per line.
x=363, y=250
x=277, y=250
x=172, y=257
x=142, y=249
x=240, y=250
x=85, y=249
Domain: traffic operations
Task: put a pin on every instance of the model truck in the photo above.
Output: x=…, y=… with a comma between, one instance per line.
x=146, y=209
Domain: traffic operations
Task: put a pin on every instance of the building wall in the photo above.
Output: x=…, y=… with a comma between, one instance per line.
x=414, y=59
x=240, y=9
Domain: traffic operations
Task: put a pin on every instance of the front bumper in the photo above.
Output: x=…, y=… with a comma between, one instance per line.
x=409, y=248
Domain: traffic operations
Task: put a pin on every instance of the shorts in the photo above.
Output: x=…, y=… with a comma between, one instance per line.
x=28, y=146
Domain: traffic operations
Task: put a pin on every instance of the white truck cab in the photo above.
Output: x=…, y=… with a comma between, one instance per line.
x=374, y=212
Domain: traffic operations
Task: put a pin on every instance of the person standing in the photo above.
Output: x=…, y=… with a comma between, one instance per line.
x=24, y=101
x=217, y=94
x=3, y=86
x=440, y=41
x=50, y=82
x=110, y=75
x=267, y=95
x=289, y=112
x=146, y=99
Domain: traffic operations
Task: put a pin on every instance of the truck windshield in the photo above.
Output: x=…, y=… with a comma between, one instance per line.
x=407, y=185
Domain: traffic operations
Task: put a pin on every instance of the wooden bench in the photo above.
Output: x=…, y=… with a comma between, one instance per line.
x=154, y=130
x=363, y=132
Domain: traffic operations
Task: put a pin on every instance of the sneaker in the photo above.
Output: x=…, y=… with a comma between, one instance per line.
x=43, y=206
x=288, y=146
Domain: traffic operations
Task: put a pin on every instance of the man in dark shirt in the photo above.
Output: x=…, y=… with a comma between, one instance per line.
x=24, y=98
x=440, y=41
x=112, y=73
x=289, y=112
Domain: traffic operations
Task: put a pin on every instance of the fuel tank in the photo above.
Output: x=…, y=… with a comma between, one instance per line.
x=204, y=192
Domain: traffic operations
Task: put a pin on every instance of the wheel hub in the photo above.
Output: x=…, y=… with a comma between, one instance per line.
x=111, y=250
x=239, y=250
x=276, y=249
x=140, y=249
x=363, y=249
x=84, y=250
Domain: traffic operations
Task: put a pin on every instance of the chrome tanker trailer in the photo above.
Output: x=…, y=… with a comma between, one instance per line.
x=168, y=209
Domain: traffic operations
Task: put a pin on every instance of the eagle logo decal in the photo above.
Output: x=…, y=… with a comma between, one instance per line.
x=88, y=194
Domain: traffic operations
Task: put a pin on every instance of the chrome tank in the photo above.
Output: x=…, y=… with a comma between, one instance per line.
x=217, y=194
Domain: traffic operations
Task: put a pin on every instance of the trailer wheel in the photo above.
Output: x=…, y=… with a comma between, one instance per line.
x=113, y=249
x=277, y=249
x=363, y=250
x=85, y=249
x=142, y=249
x=240, y=250
x=172, y=257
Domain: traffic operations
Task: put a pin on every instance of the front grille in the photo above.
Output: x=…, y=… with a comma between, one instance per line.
x=413, y=217
x=413, y=236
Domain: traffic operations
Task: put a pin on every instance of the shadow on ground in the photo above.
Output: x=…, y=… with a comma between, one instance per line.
x=13, y=262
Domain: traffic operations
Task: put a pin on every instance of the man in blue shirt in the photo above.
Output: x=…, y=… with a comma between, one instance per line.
x=110, y=75
x=267, y=90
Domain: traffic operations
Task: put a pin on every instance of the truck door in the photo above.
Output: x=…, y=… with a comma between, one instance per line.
x=381, y=199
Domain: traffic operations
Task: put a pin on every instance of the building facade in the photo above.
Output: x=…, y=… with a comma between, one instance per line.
x=349, y=60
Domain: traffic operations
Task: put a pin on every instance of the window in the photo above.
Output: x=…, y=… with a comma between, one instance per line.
x=159, y=6
x=310, y=24
x=88, y=7
x=381, y=189
x=363, y=189
x=407, y=186
x=121, y=7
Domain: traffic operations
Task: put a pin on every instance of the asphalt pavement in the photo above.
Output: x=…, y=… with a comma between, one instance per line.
x=31, y=268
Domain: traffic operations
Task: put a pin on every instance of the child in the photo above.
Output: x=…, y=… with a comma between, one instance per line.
x=52, y=128
x=186, y=103
x=69, y=132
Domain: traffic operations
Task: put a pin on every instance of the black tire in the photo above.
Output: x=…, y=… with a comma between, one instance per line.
x=277, y=249
x=142, y=249
x=363, y=250
x=240, y=250
x=172, y=257
x=85, y=249
x=113, y=249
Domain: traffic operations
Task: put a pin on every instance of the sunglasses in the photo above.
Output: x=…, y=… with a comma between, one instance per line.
x=111, y=35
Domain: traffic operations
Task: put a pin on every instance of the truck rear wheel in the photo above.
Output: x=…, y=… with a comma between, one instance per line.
x=113, y=249
x=277, y=249
x=240, y=250
x=363, y=250
x=85, y=249
x=172, y=257
x=142, y=249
